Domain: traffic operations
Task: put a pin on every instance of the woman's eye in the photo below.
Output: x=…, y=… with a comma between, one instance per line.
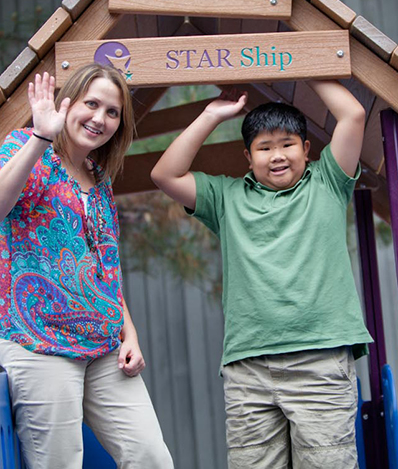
x=91, y=104
x=113, y=113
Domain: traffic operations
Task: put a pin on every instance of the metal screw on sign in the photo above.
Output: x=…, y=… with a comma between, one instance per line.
x=365, y=416
x=65, y=65
x=273, y=2
x=340, y=53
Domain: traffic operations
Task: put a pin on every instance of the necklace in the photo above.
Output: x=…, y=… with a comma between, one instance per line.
x=75, y=167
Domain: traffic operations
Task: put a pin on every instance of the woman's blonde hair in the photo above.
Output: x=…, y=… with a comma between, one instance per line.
x=109, y=156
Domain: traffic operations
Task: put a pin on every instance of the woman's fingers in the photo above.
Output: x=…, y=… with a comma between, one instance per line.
x=44, y=85
x=31, y=92
x=51, y=88
x=38, y=90
x=63, y=109
x=43, y=88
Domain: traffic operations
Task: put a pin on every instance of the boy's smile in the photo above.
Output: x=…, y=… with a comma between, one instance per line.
x=278, y=160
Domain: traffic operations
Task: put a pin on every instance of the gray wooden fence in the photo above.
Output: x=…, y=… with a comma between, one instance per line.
x=180, y=330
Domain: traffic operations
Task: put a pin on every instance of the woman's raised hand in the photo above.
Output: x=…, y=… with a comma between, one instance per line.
x=47, y=121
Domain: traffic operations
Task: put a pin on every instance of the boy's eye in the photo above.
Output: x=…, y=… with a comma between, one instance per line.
x=287, y=145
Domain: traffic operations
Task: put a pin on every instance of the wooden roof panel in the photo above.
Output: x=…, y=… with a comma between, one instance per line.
x=229, y=25
x=143, y=101
x=94, y=23
x=259, y=26
x=52, y=30
x=147, y=26
x=374, y=73
x=337, y=11
x=2, y=97
x=372, y=149
x=124, y=27
x=75, y=7
x=310, y=104
x=208, y=26
x=394, y=59
x=285, y=89
x=168, y=25
x=373, y=38
x=16, y=72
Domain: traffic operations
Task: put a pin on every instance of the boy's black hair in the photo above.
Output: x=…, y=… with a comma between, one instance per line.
x=271, y=117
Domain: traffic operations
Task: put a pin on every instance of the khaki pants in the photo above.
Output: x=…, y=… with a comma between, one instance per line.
x=292, y=410
x=50, y=396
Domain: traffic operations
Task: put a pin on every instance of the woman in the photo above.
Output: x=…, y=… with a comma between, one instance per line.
x=67, y=340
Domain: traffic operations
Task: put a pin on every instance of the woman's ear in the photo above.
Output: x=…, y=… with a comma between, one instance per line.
x=248, y=157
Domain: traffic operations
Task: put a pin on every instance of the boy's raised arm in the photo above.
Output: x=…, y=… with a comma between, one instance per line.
x=347, y=138
x=171, y=173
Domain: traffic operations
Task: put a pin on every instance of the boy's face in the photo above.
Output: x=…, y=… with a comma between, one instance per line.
x=278, y=160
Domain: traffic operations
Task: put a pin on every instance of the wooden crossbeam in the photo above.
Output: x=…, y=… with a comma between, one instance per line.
x=279, y=9
x=143, y=101
x=220, y=158
x=236, y=58
x=170, y=120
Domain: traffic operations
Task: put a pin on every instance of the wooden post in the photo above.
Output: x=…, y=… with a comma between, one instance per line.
x=236, y=58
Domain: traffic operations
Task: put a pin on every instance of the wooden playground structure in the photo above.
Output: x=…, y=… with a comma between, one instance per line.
x=268, y=48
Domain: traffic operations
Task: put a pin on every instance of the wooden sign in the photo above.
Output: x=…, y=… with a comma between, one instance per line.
x=214, y=59
x=271, y=9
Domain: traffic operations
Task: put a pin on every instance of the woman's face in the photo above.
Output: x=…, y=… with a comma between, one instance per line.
x=94, y=118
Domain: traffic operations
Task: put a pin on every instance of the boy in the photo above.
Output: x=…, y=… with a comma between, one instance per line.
x=293, y=321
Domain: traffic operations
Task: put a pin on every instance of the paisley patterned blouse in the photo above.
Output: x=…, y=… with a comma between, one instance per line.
x=60, y=277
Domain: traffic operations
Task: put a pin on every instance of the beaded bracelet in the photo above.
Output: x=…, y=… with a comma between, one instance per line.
x=42, y=138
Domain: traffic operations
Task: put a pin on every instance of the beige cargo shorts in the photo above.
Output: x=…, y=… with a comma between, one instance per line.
x=294, y=410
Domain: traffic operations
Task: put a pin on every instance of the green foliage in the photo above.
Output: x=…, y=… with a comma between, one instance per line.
x=383, y=231
x=155, y=231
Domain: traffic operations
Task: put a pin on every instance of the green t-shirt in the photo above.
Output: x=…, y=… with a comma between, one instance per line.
x=287, y=278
